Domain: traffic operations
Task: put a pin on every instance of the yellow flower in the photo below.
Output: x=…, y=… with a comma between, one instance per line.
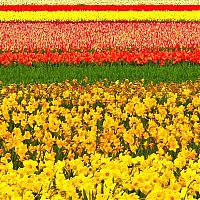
x=21, y=150
x=196, y=100
x=140, y=109
x=117, y=82
x=28, y=195
x=30, y=166
x=173, y=144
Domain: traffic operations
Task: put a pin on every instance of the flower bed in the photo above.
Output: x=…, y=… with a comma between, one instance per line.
x=98, y=35
x=123, y=141
x=106, y=140
x=142, y=57
x=6, y=16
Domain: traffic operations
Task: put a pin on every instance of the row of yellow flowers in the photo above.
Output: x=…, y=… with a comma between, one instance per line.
x=98, y=2
x=100, y=177
x=121, y=141
x=100, y=15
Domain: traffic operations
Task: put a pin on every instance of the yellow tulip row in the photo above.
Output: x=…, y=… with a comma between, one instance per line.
x=100, y=16
x=125, y=141
x=98, y=2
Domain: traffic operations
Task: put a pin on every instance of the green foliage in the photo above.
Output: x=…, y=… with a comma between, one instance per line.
x=48, y=73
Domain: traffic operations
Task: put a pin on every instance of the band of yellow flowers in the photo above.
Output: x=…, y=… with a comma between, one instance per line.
x=100, y=15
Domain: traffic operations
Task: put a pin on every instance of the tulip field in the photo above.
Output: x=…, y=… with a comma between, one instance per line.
x=99, y=100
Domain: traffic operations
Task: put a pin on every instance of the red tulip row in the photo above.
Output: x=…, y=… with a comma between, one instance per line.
x=99, y=7
x=98, y=35
x=111, y=56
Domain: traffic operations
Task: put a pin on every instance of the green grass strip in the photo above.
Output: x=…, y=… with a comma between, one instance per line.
x=48, y=73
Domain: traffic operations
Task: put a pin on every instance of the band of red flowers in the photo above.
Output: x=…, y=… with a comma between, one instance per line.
x=99, y=7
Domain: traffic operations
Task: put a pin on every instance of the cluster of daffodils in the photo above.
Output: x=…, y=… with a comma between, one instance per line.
x=101, y=141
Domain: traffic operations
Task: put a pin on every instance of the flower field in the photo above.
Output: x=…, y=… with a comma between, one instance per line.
x=85, y=36
x=122, y=142
x=99, y=100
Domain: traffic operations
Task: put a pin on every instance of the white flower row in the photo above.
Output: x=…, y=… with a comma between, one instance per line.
x=99, y=2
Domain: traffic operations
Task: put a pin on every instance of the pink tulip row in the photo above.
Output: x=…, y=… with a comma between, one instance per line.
x=68, y=36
